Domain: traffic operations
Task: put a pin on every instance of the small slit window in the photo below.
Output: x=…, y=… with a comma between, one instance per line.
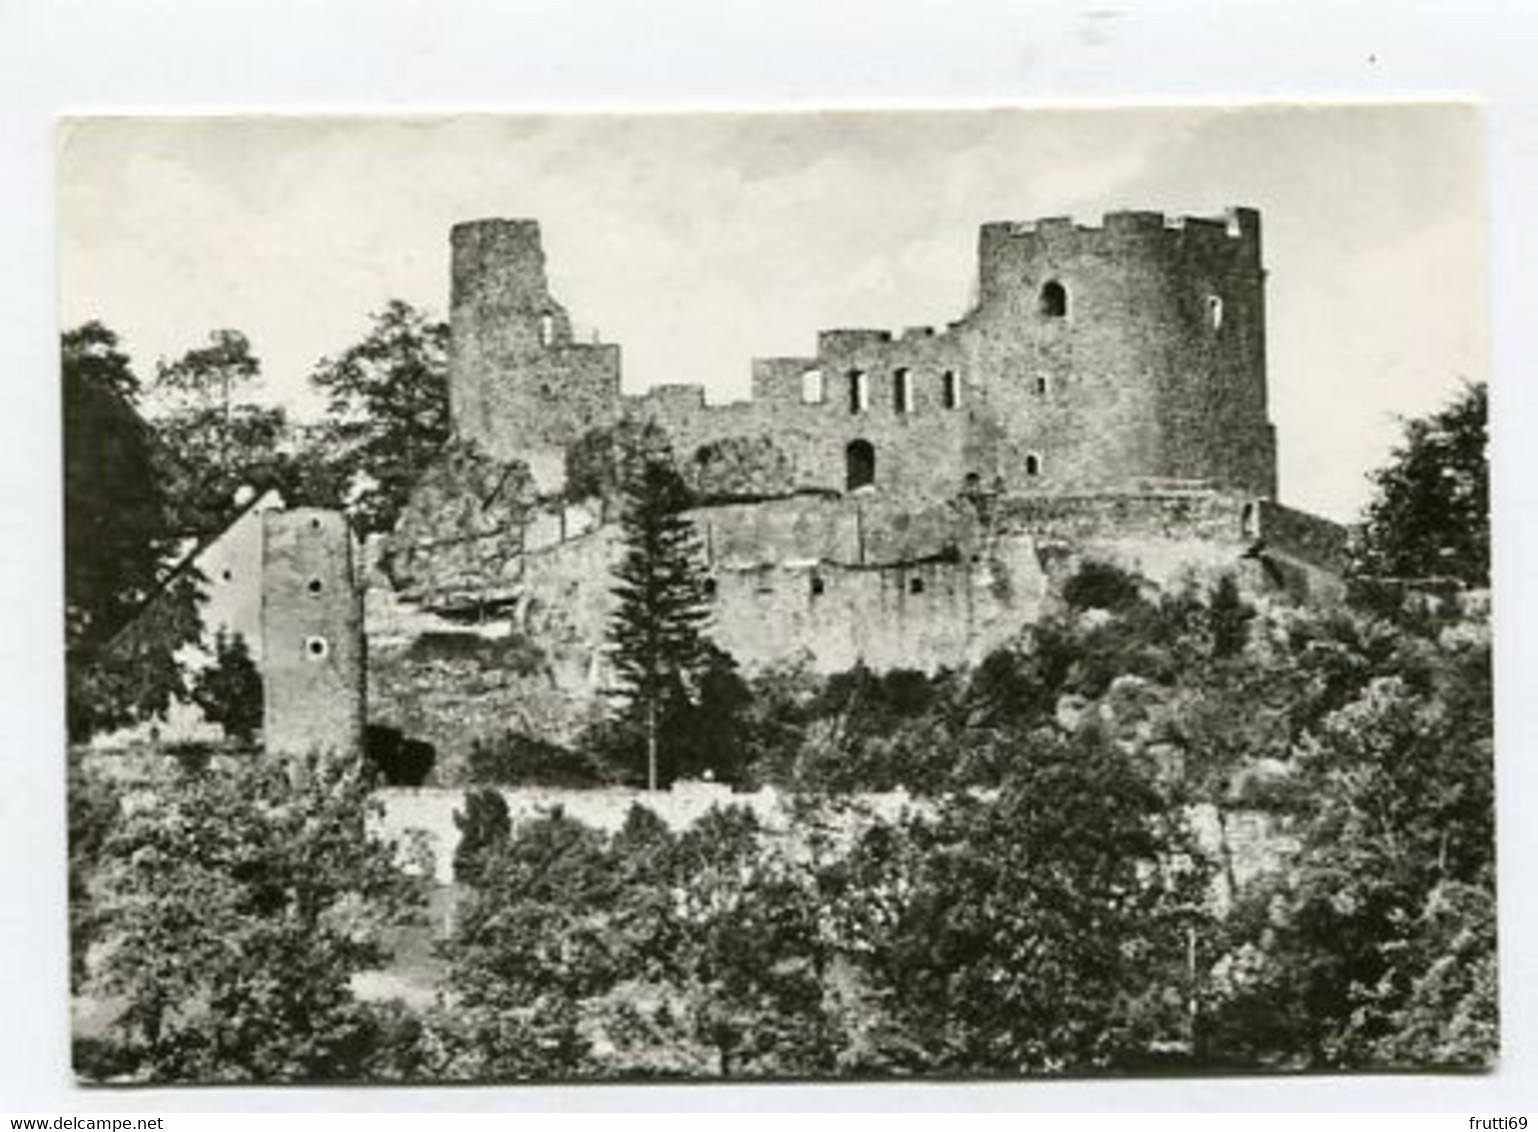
x=819, y=587
x=859, y=392
x=1215, y=312
x=1054, y=300
x=902, y=392
x=950, y=389
x=1032, y=464
x=915, y=585
x=811, y=387
x=546, y=329
x=710, y=587
x=1040, y=385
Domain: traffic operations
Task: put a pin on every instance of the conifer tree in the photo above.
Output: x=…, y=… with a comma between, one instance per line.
x=657, y=634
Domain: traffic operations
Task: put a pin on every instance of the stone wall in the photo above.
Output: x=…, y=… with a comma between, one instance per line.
x=520, y=386
x=312, y=636
x=1247, y=844
x=1150, y=363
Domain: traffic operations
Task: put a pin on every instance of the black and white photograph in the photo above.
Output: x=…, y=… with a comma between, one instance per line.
x=821, y=595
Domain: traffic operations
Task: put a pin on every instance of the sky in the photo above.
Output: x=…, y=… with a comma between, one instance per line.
x=698, y=241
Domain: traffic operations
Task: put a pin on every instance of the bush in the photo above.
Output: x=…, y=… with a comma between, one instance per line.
x=1100, y=585
x=401, y=761
x=515, y=759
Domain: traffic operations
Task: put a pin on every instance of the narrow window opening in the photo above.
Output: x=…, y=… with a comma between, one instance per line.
x=1041, y=385
x=974, y=483
x=314, y=524
x=710, y=587
x=227, y=575
x=811, y=387
x=859, y=465
x=546, y=329
x=315, y=586
x=1215, y=312
x=915, y=585
x=950, y=389
x=818, y=586
x=1032, y=464
x=859, y=392
x=902, y=392
x=1054, y=300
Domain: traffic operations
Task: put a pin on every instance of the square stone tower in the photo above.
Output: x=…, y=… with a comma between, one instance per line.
x=312, y=636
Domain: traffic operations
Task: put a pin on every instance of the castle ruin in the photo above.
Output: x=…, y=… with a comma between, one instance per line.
x=900, y=499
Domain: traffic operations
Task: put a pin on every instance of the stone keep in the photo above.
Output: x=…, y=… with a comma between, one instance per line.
x=1095, y=358
x=312, y=636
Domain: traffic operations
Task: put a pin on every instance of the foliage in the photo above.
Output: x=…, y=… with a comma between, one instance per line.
x=1100, y=585
x=117, y=545
x=400, y=760
x=388, y=410
x=1378, y=947
x=1430, y=515
x=93, y=807
x=484, y=827
x=234, y=911
x=230, y=690
x=1040, y=930
x=659, y=648
x=214, y=439
x=515, y=759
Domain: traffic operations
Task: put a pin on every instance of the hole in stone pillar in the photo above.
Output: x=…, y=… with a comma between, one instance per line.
x=316, y=648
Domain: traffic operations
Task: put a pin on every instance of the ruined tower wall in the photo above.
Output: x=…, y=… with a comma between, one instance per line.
x=312, y=636
x=1095, y=358
x=1147, y=362
x=520, y=386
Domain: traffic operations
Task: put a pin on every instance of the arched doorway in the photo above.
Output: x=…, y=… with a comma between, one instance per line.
x=859, y=465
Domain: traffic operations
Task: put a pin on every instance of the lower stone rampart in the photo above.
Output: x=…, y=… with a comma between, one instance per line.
x=1244, y=844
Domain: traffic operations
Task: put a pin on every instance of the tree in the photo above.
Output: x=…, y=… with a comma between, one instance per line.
x=230, y=690
x=215, y=438
x=1044, y=929
x=118, y=545
x=484, y=827
x=388, y=404
x=233, y=912
x=657, y=633
x=1377, y=948
x=1430, y=516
